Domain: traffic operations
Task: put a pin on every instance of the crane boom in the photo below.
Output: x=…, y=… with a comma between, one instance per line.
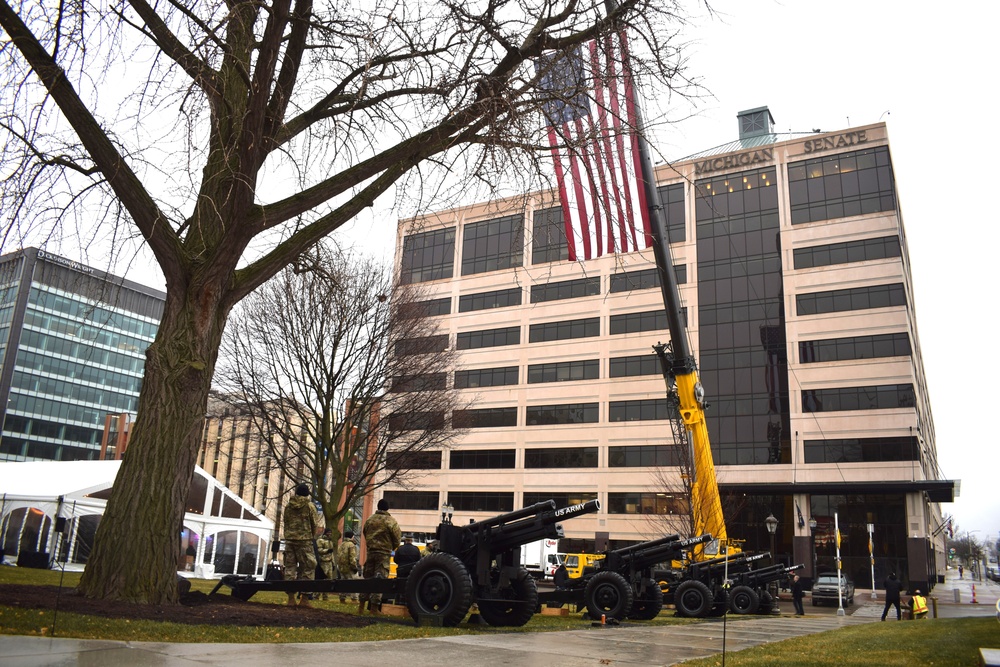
x=680, y=369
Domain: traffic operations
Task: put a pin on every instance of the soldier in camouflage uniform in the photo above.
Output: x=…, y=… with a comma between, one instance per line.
x=382, y=536
x=347, y=562
x=326, y=549
x=301, y=523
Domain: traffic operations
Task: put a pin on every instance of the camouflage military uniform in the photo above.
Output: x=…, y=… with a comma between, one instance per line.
x=382, y=535
x=347, y=565
x=326, y=549
x=300, y=521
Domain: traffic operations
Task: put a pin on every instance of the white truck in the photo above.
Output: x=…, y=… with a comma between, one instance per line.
x=541, y=558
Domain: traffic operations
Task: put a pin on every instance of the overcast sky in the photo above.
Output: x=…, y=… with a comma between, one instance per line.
x=928, y=71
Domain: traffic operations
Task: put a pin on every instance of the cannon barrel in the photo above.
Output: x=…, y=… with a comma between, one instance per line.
x=501, y=519
x=513, y=529
x=625, y=551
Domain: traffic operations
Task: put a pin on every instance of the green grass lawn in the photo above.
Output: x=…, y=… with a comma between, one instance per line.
x=943, y=642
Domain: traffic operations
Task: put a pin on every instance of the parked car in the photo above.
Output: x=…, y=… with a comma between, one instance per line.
x=825, y=588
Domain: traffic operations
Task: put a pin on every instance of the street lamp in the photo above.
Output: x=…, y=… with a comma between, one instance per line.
x=812, y=538
x=447, y=510
x=772, y=526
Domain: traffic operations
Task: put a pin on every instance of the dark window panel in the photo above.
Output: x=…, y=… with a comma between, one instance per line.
x=566, y=289
x=488, y=300
x=561, y=457
x=482, y=459
x=471, y=340
x=482, y=501
x=484, y=418
x=571, y=413
x=565, y=371
x=486, y=377
x=565, y=330
x=492, y=245
x=428, y=256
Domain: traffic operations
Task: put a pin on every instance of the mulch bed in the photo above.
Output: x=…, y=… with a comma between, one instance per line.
x=195, y=608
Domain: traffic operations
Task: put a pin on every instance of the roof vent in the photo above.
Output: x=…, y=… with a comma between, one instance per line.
x=755, y=122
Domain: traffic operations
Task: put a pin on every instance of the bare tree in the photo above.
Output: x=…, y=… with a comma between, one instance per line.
x=345, y=385
x=229, y=137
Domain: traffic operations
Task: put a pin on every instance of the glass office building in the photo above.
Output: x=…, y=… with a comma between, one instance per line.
x=792, y=259
x=72, y=342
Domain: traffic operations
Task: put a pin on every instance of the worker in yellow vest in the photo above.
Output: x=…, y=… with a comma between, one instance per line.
x=919, y=605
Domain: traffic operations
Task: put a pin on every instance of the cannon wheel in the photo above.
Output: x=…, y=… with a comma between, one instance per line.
x=744, y=600
x=439, y=585
x=693, y=599
x=649, y=605
x=608, y=594
x=516, y=605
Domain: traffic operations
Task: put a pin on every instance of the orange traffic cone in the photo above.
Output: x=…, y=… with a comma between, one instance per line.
x=974, y=600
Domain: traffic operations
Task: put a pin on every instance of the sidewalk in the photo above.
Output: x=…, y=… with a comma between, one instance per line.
x=628, y=645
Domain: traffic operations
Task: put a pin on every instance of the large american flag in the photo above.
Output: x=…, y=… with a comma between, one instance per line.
x=592, y=129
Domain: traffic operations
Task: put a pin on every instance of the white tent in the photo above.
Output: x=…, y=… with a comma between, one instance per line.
x=49, y=510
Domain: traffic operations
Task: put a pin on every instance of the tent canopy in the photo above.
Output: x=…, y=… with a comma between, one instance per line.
x=75, y=489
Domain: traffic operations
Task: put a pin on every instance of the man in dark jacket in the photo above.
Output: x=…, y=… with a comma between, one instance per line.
x=406, y=554
x=797, y=594
x=892, y=588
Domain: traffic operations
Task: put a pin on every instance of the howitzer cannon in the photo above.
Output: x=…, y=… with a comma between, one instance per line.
x=478, y=562
x=749, y=594
x=481, y=562
x=699, y=589
x=622, y=585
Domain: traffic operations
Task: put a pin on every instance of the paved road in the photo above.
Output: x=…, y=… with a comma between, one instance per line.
x=628, y=645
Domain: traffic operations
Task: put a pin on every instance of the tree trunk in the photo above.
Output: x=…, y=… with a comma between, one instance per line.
x=137, y=545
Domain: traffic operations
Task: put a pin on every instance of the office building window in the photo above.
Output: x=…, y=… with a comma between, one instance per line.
x=492, y=245
x=482, y=459
x=565, y=330
x=562, y=498
x=566, y=289
x=412, y=500
x=634, y=366
x=857, y=298
x=473, y=340
x=570, y=413
x=646, y=503
x=482, y=501
x=644, y=456
x=650, y=320
x=488, y=300
x=561, y=457
x=429, y=308
x=423, y=345
x=630, y=281
x=589, y=369
x=672, y=198
x=484, y=418
x=420, y=460
x=428, y=256
x=423, y=382
x=855, y=347
x=486, y=377
x=416, y=421
x=878, y=397
x=841, y=185
x=548, y=237
x=642, y=410
x=846, y=253
x=862, y=450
